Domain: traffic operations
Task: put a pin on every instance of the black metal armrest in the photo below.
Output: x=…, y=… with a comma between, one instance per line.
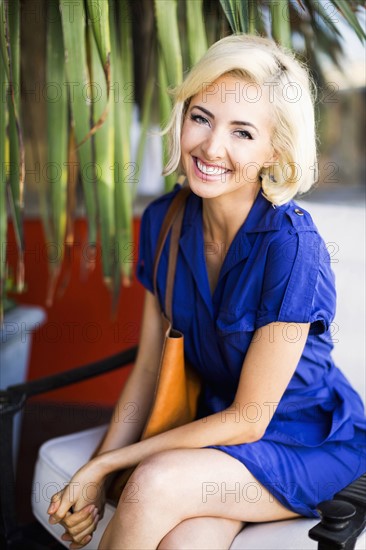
x=79, y=374
x=12, y=400
x=342, y=519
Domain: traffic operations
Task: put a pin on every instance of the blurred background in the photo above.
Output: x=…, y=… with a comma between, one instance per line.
x=84, y=91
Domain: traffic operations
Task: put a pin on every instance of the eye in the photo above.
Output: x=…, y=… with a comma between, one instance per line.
x=243, y=134
x=199, y=119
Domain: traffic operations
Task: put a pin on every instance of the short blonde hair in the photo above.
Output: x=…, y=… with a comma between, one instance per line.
x=263, y=62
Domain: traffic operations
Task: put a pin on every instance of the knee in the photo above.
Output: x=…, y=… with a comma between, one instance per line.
x=152, y=481
x=171, y=541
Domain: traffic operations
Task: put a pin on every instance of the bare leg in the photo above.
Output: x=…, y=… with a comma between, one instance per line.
x=202, y=534
x=187, y=483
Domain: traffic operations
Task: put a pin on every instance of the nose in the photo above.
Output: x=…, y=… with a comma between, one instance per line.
x=213, y=147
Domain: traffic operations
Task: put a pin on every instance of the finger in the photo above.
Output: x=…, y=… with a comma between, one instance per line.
x=75, y=545
x=83, y=527
x=72, y=520
x=89, y=530
x=66, y=537
x=55, y=502
x=64, y=506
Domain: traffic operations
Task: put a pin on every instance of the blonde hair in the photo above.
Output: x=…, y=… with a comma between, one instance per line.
x=263, y=62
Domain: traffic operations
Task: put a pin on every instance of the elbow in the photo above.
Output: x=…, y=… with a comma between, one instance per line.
x=239, y=430
x=248, y=433
x=246, y=437
x=258, y=432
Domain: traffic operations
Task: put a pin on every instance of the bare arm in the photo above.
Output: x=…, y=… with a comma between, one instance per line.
x=267, y=370
x=135, y=401
x=126, y=425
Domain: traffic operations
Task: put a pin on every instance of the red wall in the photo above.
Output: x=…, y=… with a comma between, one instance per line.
x=79, y=327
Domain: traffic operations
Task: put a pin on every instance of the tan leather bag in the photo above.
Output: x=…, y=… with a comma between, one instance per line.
x=178, y=385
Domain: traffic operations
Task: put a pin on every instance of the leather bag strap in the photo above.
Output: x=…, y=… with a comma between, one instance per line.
x=173, y=254
x=173, y=220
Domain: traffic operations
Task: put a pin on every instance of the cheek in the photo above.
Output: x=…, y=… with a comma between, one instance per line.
x=185, y=138
x=252, y=152
x=185, y=146
x=183, y=141
x=192, y=135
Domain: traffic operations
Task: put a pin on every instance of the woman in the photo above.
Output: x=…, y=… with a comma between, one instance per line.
x=254, y=296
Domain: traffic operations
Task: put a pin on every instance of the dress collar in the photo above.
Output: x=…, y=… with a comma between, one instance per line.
x=262, y=217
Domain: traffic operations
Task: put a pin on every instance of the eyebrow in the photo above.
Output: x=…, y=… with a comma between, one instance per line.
x=233, y=122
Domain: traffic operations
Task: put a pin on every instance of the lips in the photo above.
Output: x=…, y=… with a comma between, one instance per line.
x=210, y=169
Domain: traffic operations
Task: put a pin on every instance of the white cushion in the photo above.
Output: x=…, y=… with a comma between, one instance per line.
x=58, y=460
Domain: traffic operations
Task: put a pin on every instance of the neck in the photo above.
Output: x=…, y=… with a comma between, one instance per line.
x=223, y=216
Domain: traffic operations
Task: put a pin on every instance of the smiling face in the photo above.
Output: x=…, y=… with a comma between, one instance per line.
x=226, y=137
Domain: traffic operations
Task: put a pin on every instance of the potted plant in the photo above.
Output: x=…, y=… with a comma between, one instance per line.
x=104, y=57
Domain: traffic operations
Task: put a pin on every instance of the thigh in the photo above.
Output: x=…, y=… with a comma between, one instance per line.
x=205, y=533
x=188, y=483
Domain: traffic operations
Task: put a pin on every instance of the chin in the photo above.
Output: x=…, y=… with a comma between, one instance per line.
x=206, y=190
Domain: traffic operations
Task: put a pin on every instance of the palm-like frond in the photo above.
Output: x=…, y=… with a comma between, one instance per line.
x=91, y=59
x=53, y=190
x=3, y=157
x=13, y=166
x=124, y=172
x=78, y=79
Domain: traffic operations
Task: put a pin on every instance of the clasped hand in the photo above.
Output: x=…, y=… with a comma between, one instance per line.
x=79, y=506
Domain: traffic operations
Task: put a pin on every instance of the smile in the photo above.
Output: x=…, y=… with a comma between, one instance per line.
x=210, y=169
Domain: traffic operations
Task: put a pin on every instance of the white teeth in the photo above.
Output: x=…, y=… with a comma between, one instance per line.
x=211, y=170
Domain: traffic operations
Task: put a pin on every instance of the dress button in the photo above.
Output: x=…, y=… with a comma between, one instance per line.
x=299, y=212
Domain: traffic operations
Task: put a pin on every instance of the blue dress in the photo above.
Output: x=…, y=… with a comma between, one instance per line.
x=276, y=269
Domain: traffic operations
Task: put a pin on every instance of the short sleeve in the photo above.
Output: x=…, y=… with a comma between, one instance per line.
x=298, y=284
x=144, y=270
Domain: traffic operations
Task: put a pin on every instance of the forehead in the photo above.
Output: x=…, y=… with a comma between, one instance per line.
x=235, y=96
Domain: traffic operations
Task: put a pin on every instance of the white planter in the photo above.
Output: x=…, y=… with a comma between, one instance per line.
x=15, y=345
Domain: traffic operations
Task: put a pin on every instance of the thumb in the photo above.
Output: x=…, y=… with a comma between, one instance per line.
x=62, y=506
x=55, y=503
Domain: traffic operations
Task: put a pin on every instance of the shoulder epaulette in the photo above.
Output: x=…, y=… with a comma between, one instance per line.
x=300, y=219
